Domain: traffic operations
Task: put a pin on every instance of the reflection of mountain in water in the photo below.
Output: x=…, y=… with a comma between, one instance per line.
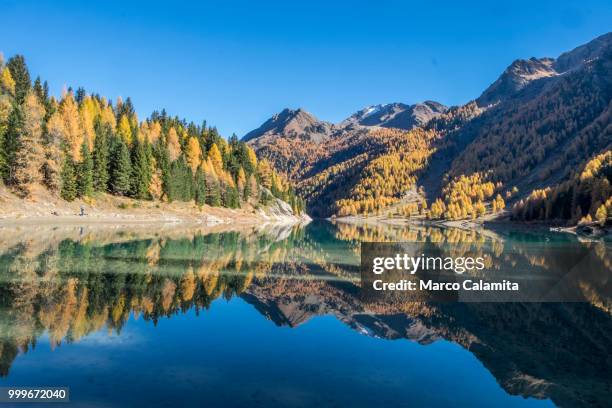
x=73, y=287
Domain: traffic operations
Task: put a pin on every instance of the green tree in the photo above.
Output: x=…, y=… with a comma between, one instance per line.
x=121, y=168
x=21, y=76
x=200, y=188
x=85, y=175
x=16, y=121
x=213, y=193
x=141, y=170
x=69, y=182
x=101, y=157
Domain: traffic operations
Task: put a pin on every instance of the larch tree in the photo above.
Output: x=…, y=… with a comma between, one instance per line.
x=193, y=154
x=174, y=146
x=73, y=133
x=215, y=159
x=265, y=173
x=241, y=182
x=7, y=83
x=29, y=158
x=87, y=111
x=124, y=129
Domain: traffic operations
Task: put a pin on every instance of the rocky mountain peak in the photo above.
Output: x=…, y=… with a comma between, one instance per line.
x=292, y=123
x=396, y=115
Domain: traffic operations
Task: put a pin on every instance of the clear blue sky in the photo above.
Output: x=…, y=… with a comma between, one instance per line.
x=234, y=63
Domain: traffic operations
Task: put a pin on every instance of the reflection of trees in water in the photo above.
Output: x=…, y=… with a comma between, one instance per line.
x=70, y=289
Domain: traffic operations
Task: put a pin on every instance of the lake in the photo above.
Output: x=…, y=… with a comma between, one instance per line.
x=272, y=317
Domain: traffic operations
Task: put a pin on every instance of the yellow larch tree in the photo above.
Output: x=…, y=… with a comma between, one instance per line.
x=7, y=83
x=124, y=129
x=215, y=159
x=71, y=125
x=174, y=147
x=193, y=154
x=29, y=158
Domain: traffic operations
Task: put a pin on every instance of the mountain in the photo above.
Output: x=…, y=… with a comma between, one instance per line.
x=538, y=125
x=289, y=123
x=519, y=74
x=396, y=115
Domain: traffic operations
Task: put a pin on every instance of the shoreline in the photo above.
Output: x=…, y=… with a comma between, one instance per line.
x=43, y=208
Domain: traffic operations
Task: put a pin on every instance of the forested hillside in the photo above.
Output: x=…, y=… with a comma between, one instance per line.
x=83, y=145
x=533, y=130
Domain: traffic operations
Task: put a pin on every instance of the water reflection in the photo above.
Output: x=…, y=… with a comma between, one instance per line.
x=66, y=283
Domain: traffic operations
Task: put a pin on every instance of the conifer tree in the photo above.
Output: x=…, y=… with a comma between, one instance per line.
x=5, y=111
x=85, y=174
x=193, y=154
x=15, y=124
x=174, y=147
x=21, y=76
x=215, y=159
x=68, y=189
x=141, y=171
x=121, y=168
x=213, y=193
x=54, y=160
x=200, y=188
x=124, y=129
x=101, y=157
x=7, y=83
x=241, y=183
x=29, y=156
x=72, y=132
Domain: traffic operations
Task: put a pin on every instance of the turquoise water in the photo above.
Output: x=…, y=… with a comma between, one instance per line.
x=273, y=318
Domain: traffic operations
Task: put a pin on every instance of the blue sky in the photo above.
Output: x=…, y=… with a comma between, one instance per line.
x=235, y=63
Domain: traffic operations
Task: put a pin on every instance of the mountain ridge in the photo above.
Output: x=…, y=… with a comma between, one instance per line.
x=538, y=123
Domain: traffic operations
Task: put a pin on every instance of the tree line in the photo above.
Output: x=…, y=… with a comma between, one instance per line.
x=83, y=144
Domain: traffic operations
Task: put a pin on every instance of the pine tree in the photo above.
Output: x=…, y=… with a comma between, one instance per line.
x=101, y=157
x=69, y=183
x=5, y=111
x=213, y=193
x=21, y=76
x=200, y=188
x=85, y=174
x=141, y=171
x=29, y=156
x=121, y=168
x=15, y=124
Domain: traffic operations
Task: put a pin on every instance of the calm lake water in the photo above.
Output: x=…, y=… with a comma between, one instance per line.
x=170, y=317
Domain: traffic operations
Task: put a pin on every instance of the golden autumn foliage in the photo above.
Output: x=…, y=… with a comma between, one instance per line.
x=586, y=195
x=193, y=154
x=30, y=156
x=216, y=160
